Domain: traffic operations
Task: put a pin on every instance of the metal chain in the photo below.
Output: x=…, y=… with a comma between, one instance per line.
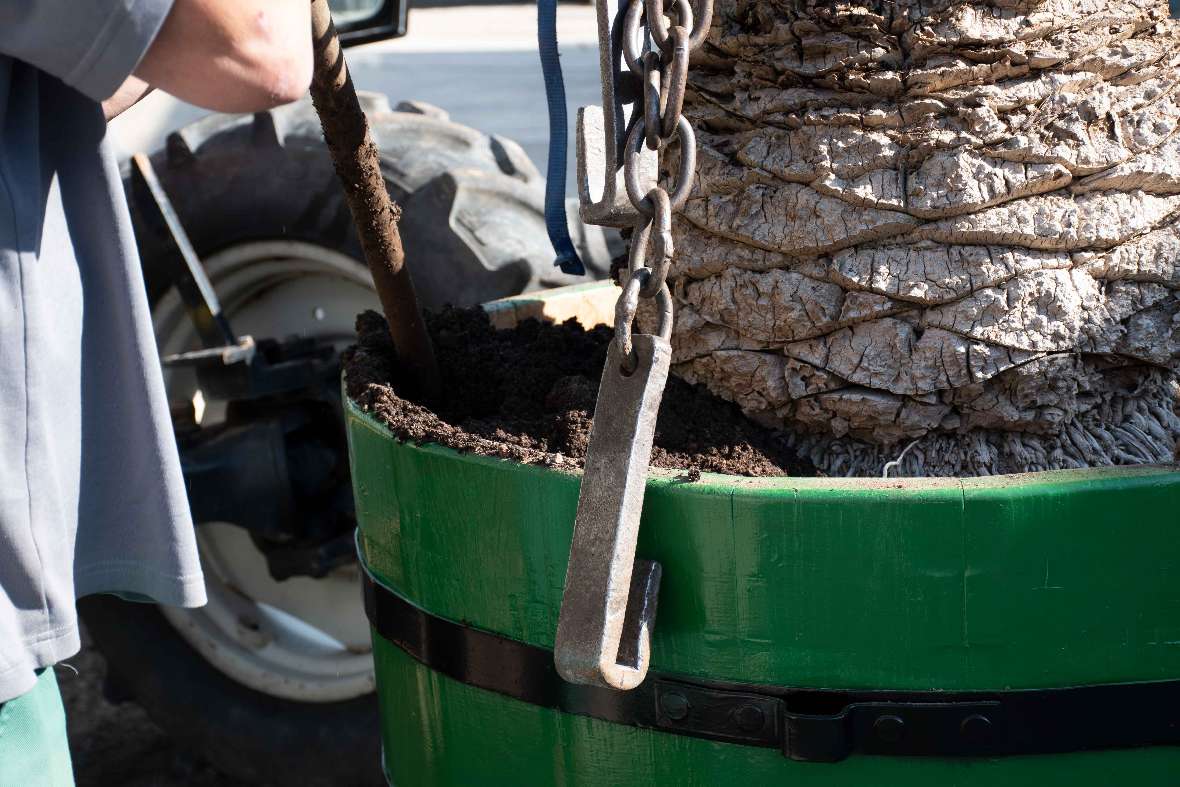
x=596, y=643
x=657, y=42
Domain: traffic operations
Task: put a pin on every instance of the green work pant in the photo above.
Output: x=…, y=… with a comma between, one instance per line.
x=34, y=751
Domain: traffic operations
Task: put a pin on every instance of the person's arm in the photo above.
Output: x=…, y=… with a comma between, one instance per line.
x=127, y=96
x=232, y=55
x=224, y=55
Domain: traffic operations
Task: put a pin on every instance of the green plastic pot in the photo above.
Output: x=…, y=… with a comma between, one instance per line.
x=1056, y=579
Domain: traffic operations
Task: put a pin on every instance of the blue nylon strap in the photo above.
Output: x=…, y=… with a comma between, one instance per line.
x=555, y=220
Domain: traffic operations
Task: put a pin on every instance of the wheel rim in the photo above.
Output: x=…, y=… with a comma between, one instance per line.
x=301, y=639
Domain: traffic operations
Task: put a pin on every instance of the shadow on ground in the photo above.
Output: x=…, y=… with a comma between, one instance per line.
x=118, y=744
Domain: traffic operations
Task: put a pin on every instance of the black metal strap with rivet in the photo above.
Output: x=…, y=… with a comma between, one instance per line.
x=815, y=725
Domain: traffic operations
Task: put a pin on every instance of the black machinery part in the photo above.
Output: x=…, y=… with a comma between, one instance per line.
x=277, y=465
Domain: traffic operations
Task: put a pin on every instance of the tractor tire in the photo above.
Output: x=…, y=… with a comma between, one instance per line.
x=252, y=192
x=472, y=224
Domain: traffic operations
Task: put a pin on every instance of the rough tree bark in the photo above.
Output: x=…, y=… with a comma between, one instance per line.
x=953, y=222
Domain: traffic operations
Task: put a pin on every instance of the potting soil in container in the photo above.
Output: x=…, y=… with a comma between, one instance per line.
x=527, y=393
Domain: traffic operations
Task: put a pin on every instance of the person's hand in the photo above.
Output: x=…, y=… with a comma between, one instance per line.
x=232, y=55
x=128, y=94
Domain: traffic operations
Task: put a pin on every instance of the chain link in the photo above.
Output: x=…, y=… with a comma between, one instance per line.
x=685, y=172
x=676, y=76
x=657, y=231
x=652, y=77
x=657, y=53
x=657, y=27
x=628, y=305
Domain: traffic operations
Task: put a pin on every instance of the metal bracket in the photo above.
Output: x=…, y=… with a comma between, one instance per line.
x=972, y=727
x=602, y=132
x=740, y=717
x=251, y=370
x=608, y=607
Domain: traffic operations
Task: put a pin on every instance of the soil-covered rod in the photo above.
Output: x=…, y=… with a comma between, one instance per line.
x=346, y=131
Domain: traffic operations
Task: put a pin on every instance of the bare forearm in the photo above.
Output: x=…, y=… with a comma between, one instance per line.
x=127, y=96
x=232, y=55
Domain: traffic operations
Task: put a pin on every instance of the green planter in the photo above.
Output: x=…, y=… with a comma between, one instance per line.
x=1047, y=580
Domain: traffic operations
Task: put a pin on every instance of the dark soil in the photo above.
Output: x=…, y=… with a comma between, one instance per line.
x=528, y=394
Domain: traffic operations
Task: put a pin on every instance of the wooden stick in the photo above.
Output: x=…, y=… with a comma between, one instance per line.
x=346, y=130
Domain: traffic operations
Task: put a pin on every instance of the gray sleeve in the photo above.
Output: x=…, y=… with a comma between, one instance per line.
x=91, y=45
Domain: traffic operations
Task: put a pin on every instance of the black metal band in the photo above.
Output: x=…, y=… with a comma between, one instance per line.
x=806, y=724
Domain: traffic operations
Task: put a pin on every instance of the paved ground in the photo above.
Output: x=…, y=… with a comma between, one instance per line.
x=118, y=745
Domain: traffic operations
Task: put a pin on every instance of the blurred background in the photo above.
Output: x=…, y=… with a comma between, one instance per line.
x=478, y=62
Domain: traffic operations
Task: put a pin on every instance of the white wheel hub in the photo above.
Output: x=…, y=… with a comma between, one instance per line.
x=301, y=639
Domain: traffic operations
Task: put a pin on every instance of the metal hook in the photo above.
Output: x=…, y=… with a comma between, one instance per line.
x=609, y=604
x=601, y=131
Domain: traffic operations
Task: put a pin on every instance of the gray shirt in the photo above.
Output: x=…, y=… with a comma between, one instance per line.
x=91, y=495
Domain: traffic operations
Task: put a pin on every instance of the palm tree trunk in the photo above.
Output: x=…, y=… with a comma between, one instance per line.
x=955, y=222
